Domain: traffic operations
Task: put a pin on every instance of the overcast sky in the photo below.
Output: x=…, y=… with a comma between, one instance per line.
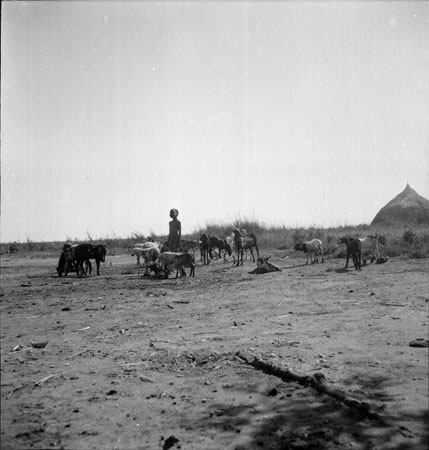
x=294, y=113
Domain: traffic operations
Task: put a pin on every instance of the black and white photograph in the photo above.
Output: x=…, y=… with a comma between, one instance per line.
x=214, y=228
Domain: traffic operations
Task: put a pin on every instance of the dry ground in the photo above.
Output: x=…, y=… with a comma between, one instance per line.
x=131, y=363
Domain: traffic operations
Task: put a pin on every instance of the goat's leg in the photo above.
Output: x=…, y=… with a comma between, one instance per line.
x=251, y=252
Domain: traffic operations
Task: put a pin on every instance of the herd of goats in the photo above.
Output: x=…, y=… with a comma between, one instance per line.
x=159, y=259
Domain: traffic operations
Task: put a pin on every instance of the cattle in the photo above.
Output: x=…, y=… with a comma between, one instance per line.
x=86, y=252
x=242, y=243
x=353, y=248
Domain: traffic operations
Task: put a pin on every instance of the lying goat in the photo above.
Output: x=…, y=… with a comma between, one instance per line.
x=264, y=266
x=314, y=246
x=353, y=247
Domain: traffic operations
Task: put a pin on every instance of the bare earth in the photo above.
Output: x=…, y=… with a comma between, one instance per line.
x=140, y=363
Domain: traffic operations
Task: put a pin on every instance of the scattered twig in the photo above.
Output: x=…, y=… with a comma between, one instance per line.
x=79, y=353
x=81, y=329
x=33, y=317
x=181, y=301
x=36, y=383
x=40, y=382
x=172, y=307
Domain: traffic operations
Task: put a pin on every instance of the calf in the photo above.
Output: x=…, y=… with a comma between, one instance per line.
x=353, y=247
x=313, y=247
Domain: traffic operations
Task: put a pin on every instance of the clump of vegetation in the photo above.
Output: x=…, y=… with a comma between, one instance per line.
x=400, y=241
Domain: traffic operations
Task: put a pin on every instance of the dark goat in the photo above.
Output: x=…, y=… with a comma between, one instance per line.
x=353, y=247
x=243, y=243
x=66, y=262
x=185, y=260
x=85, y=252
x=221, y=244
x=205, y=248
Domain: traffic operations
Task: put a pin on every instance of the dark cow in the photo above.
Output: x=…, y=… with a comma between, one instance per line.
x=353, y=248
x=220, y=244
x=85, y=252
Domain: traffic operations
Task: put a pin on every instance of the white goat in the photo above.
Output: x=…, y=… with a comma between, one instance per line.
x=314, y=246
x=150, y=256
x=369, y=246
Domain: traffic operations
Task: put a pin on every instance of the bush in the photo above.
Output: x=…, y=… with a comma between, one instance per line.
x=409, y=236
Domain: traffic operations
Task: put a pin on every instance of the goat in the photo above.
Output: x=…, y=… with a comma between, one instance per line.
x=353, y=247
x=314, y=246
x=221, y=244
x=167, y=259
x=205, y=248
x=369, y=246
x=264, y=266
x=67, y=264
x=150, y=255
x=85, y=252
x=189, y=245
x=185, y=260
x=244, y=242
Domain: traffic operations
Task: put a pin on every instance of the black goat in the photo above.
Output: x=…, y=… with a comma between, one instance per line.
x=353, y=247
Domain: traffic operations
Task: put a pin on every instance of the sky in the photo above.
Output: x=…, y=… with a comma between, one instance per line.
x=288, y=113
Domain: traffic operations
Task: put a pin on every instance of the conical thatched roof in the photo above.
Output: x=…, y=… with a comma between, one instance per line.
x=407, y=207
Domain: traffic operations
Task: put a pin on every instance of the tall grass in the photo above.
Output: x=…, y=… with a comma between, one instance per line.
x=401, y=240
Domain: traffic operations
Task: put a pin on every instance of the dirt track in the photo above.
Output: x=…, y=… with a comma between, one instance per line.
x=138, y=361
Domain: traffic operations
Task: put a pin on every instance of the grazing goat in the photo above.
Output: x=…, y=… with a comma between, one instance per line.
x=264, y=266
x=150, y=256
x=369, y=246
x=314, y=246
x=353, y=247
x=221, y=244
x=66, y=262
x=205, y=248
x=85, y=252
x=244, y=242
x=177, y=260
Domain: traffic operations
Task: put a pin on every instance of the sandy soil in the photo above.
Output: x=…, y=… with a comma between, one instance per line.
x=140, y=363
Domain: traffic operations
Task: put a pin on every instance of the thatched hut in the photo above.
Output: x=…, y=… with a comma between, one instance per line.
x=407, y=207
